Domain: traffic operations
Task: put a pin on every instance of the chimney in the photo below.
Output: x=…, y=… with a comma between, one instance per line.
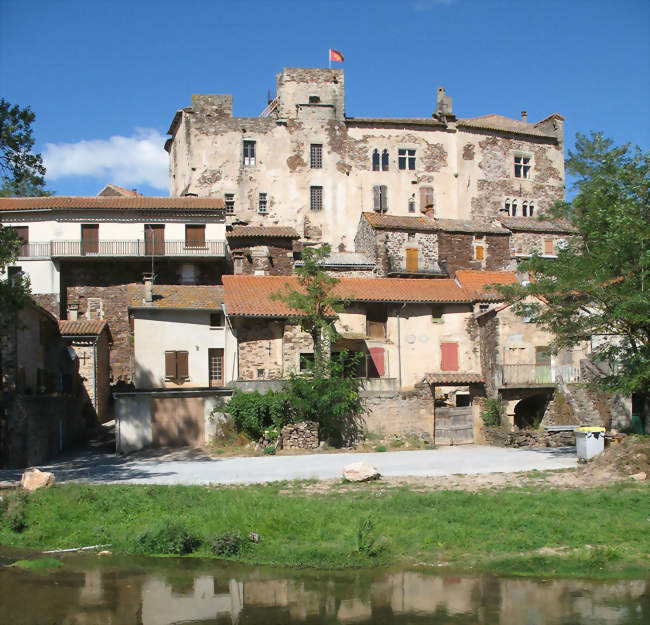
x=148, y=289
x=443, y=104
x=73, y=311
x=524, y=117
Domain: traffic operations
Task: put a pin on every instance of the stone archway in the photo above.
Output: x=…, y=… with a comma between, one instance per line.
x=529, y=411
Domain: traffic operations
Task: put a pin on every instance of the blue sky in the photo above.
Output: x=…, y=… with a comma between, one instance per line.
x=104, y=77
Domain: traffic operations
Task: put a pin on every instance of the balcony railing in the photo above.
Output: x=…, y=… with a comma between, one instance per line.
x=55, y=249
x=532, y=374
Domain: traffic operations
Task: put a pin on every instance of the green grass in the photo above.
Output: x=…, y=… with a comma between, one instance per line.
x=500, y=531
x=40, y=564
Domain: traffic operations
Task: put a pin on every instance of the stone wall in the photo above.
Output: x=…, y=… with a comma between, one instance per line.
x=260, y=348
x=294, y=343
x=272, y=257
x=302, y=435
x=525, y=243
x=49, y=301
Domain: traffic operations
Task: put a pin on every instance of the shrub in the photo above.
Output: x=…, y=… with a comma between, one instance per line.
x=254, y=412
x=492, y=412
x=14, y=505
x=367, y=543
x=225, y=544
x=380, y=448
x=269, y=450
x=166, y=536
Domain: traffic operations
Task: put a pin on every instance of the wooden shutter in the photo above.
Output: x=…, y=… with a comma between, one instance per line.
x=449, y=353
x=182, y=367
x=426, y=198
x=377, y=359
x=194, y=236
x=383, y=198
x=90, y=238
x=376, y=193
x=480, y=252
x=170, y=365
x=548, y=247
x=23, y=233
x=154, y=239
x=412, y=259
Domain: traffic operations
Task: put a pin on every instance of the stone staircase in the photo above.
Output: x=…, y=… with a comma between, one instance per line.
x=582, y=403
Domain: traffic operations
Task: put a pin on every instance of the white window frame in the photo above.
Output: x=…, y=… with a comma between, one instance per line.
x=523, y=166
x=249, y=159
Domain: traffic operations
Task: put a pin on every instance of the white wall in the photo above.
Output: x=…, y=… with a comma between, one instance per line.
x=43, y=275
x=157, y=331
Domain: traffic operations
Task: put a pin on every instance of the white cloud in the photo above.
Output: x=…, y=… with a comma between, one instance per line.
x=428, y=5
x=125, y=161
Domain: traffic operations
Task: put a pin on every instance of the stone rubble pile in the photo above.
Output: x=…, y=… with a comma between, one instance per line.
x=302, y=435
x=540, y=438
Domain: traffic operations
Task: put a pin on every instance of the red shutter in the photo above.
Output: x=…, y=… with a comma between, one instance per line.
x=170, y=365
x=90, y=238
x=377, y=357
x=449, y=353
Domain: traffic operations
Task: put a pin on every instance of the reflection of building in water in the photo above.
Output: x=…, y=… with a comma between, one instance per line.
x=413, y=592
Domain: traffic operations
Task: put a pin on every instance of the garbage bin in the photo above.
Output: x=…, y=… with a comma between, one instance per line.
x=590, y=441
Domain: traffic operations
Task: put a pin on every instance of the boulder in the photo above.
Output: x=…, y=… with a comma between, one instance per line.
x=33, y=479
x=639, y=477
x=360, y=472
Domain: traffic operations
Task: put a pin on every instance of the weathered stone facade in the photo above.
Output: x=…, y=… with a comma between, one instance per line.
x=266, y=258
x=303, y=435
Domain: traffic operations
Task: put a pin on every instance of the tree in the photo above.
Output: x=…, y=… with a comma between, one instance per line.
x=315, y=302
x=598, y=287
x=14, y=290
x=21, y=172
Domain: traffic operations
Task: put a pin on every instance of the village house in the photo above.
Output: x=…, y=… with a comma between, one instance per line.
x=304, y=163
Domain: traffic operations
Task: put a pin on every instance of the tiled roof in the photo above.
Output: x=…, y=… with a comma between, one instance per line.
x=82, y=327
x=499, y=122
x=177, y=296
x=251, y=295
x=425, y=224
x=113, y=189
x=536, y=225
x=347, y=259
x=476, y=283
x=442, y=379
x=420, y=121
x=112, y=202
x=282, y=232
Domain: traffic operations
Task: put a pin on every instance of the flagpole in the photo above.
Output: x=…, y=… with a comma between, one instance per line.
x=329, y=57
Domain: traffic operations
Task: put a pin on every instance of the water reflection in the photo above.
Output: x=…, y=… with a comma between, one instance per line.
x=97, y=592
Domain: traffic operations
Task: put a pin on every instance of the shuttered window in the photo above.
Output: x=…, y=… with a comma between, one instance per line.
x=449, y=356
x=376, y=317
x=548, y=247
x=90, y=239
x=176, y=365
x=412, y=259
x=380, y=198
x=194, y=235
x=426, y=199
x=22, y=232
x=479, y=247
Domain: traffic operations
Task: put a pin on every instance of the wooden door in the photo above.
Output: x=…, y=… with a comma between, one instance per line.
x=89, y=239
x=454, y=426
x=542, y=365
x=215, y=366
x=23, y=234
x=154, y=239
x=412, y=259
x=449, y=353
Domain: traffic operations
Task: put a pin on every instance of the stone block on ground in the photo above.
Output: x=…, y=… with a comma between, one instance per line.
x=33, y=479
x=360, y=472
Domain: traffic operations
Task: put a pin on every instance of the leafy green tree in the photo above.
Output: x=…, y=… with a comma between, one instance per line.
x=315, y=303
x=598, y=287
x=21, y=172
x=14, y=290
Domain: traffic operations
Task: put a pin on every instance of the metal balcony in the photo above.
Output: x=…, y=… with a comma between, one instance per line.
x=121, y=249
x=537, y=375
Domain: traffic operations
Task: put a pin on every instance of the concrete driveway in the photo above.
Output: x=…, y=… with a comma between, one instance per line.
x=194, y=467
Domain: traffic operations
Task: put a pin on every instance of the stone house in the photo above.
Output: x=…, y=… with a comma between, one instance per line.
x=91, y=340
x=41, y=396
x=306, y=164
x=262, y=250
x=81, y=253
x=530, y=235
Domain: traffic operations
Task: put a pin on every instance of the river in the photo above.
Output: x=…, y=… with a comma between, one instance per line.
x=89, y=590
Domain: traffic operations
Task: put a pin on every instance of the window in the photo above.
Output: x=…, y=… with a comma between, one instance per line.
x=230, y=203
x=531, y=208
x=260, y=373
x=195, y=235
x=261, y=204
x=483, y=307
x=522, y=166
x=22, y=232
x=216, y=320
x=89, y=239
x=306, y=361
x=316, y=198
x=316, y=156
x=479, y=247
x=426, y=199
x=176, y=366
x=405, y=159
x=436, y=313
x=375, y=160
x=215, y=366
x=249, y=153
x=549, y=249
x=14, y=274
x=507, y=207
x=524, y=208
x=380, y=198
x=514, y=208
x=376, y=317
x=384, y=160
x=411, y=205
x=314, y=99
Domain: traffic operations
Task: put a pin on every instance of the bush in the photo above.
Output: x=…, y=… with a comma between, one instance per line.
x=380, y=448
x=225, y=544
x=269, y=450
x=492, y=412
x=166, y=536
x=254, y=412
x=367, y=543
x=14, y=505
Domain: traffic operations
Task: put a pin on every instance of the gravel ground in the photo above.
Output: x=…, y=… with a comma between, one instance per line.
x=191, y=466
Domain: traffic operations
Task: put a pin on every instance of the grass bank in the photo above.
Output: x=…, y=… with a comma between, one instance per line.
x=598, y=532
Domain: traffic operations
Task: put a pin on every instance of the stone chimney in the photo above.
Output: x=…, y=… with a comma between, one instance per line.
x=148, y=289
x=443, y=105
x=73, y=311
x=524, y=117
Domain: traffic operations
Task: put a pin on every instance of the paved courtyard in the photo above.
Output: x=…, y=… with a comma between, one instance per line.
x=194, y=467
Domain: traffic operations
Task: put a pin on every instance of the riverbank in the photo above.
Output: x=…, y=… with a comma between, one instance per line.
x=532, y=530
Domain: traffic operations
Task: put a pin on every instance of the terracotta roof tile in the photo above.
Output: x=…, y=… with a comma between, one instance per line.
x=113, y=189
x=251, y=295
x=442, y=379
x=537, y=225
x=82, y=327
x=113, y=202
x=476, y=283
x=243, y=232
x=177, y=296
x=500, y=122
x=425, y=224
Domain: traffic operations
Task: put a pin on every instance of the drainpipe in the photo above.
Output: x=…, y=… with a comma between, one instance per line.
x=399, y=346
x=225, y=342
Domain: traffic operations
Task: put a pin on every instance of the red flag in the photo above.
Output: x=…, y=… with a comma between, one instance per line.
x=335, y=55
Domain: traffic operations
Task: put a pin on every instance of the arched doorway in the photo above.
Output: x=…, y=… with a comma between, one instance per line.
x=530, y=411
